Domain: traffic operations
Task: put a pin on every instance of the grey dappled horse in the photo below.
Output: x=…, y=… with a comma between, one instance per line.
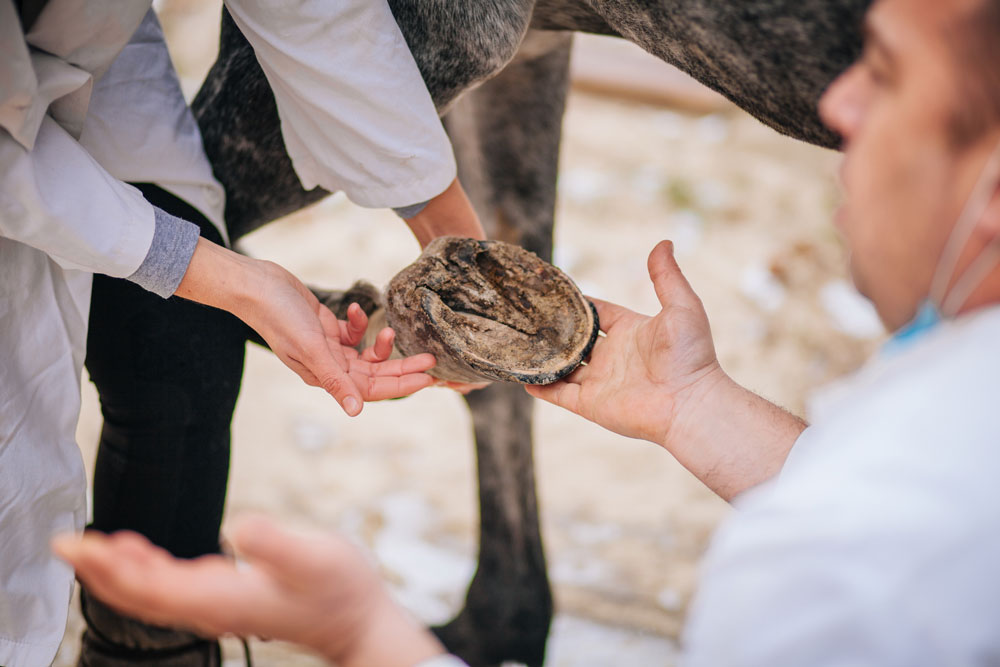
x=497, y=70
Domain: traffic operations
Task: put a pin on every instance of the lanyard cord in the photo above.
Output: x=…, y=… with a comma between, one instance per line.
x=978, y=201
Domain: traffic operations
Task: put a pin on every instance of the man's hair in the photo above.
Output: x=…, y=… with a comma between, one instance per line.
x=975, y=38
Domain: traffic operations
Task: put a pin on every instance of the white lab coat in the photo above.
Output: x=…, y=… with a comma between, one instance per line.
x=71, y=125
x=355, y=114
x=879, y=543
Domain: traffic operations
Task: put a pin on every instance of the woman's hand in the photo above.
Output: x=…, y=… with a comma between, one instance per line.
x=301, y=331
x=312, y=589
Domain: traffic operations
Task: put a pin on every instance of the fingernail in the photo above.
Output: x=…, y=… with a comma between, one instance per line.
x=351, y=405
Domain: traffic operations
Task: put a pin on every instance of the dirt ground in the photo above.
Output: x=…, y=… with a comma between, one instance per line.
x=624, y=524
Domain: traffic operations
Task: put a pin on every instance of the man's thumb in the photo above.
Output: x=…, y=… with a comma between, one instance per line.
x=671, y=286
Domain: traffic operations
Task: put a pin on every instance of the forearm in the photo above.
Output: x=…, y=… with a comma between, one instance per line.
x=730, y=438
x=448, y=214
x=355, y=113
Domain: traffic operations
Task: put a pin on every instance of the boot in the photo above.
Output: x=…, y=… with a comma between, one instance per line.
x=113, y=640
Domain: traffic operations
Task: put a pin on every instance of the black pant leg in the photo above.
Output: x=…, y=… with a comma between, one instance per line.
x=168, y=374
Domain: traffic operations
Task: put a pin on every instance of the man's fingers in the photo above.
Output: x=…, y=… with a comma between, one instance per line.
x=578, y=375
x=672, y=288
x=609, y=313
x=564, y=394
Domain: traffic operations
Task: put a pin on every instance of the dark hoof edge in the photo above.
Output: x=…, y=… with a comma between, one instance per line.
x=489, y=310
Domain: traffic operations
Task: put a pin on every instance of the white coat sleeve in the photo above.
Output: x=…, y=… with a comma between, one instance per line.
x=57, y=199
x=355, y=113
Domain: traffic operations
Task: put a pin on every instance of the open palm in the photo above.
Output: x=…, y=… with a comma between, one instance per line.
x=644, y=367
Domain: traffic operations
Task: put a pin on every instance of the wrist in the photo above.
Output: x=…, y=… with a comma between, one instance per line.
x=729, y=437
x=221, y=278
x=692, y=407
x=388, y=637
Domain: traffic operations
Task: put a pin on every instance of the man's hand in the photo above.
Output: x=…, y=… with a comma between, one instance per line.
x=658, y=378
x=643, y=370
x=312, y=589
x=301, y=331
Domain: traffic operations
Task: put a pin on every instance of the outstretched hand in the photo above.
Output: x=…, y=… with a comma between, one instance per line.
x=310, y=340
x=641, y=372
x=301, y=331
x=658, y=378
x=312, y=589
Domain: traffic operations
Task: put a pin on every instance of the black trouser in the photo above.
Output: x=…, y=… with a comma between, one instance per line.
x=168, y=373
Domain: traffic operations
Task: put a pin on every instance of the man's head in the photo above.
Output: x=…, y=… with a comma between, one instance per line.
x=920, y=116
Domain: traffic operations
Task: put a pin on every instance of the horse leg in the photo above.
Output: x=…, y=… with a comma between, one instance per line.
x=506, y=135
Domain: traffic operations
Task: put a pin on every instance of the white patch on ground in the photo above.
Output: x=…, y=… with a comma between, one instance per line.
x=850, y=312
x=566, y=257
x=584, y=186
x=712, y=194
x=426, y=578
x=713, y=129
x=583, y=570
x=648, y=182
x=761, y=287
x=580, y=642
x=312, y=435
x=686, y=231
x=670, y=125
x=590, y=533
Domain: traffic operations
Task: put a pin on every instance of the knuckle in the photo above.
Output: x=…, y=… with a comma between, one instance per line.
x=332, y=384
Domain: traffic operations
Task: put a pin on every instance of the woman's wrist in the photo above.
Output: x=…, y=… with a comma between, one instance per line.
x=221, y=278
x=388, y=637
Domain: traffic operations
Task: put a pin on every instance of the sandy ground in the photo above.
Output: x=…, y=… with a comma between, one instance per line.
x=624, y=524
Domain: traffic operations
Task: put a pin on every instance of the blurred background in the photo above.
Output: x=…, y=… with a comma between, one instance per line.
x=647, y=154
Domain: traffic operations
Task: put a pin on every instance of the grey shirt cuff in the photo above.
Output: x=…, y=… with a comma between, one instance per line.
x=411, y=211
x=167, y=261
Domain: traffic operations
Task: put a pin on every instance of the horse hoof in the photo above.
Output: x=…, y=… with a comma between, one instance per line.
x=490, y=310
